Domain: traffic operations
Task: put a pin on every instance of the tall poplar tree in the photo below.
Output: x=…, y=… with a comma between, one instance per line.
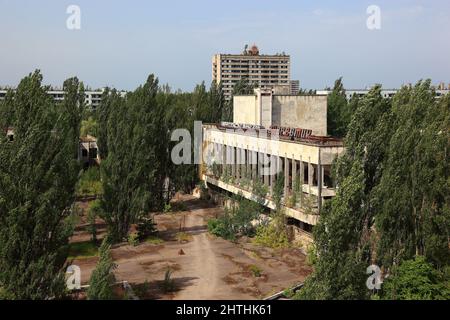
x=38, y=173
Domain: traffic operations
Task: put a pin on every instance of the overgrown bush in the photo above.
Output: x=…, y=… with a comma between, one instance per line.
x=145, y=228
x=222, y=227
x=89, y=183
x=271, y=236
x=133, y=239
x=167, y=208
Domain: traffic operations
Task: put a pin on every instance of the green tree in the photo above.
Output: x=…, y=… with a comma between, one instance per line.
x=102, y=278
x=415, y=279
x=343, y=232
x=133, y=174
x=38, y=173
x=338, y=115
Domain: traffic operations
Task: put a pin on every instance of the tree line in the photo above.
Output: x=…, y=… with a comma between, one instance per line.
x=392, y=206
x=39, y=169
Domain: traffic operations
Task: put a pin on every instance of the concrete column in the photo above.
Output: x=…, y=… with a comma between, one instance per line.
x=266, y=176
x=258, y=167
x=233, y=162
x=294, y=173
x=237, y=164
x=254, y=163
x=302, y=178
x=286, y=176
x=224, y=158
x=248, y=164
x=310, y=175
x=319, y=183
x=273, y=172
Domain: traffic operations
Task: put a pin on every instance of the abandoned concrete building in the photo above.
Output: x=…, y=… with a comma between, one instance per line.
x=88, y=151
x=271, y=130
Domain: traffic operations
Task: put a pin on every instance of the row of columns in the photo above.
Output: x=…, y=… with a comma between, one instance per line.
x=244, y=163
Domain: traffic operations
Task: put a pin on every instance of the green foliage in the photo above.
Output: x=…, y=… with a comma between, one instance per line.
x=393, y=198
x=256, y=271
x=94, y=211
x=38, y=173
x=222, y=227
x=133, y=239
x=311, y=255
x=89, y=183
x=89, y=127
x=168, y=285
x=338, y=115
x=167, y=208
x=102, y=278
x=135, y=169
x=415, y=280
x=271, y=236
x=81, y=250
x=146, y=227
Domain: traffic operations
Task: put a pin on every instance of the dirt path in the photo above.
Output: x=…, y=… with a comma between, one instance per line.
x=204, y=261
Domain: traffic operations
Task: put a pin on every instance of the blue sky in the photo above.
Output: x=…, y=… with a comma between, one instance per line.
x=121, y=42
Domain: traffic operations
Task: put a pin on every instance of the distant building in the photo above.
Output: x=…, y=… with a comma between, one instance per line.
x=265, y=71
x=295, y=86
x=88, y=153
x=386, y=93
x=92, y=98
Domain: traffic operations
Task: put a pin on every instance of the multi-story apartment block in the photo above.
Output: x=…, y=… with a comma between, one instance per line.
x=440, y=89
x=266, y=71
x=92, y=98
x=285, y=132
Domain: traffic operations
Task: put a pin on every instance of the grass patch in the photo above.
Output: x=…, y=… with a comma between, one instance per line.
x=154, y=240
x=256, y=271
x=82, y=250
x=183, y=237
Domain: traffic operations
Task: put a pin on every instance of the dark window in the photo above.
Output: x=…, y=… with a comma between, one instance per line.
x=84, y=153
x=93, y=153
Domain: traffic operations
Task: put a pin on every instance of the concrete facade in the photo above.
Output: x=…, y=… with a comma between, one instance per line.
x=265, y=71
x=267, y=109
x=275, y=136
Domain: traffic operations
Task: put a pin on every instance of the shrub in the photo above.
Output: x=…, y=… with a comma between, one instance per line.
x=89, y=183
x=167, y=208
x=221, y=227
x=257, y=272
x=270, y=236
x=133, y=239
x=145, y=228
x=168, y=285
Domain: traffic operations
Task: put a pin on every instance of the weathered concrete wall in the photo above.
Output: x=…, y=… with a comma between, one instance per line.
x=306, y=112
x=245, y=110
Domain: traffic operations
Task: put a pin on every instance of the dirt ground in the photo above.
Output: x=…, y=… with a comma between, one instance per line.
x=204, y=267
